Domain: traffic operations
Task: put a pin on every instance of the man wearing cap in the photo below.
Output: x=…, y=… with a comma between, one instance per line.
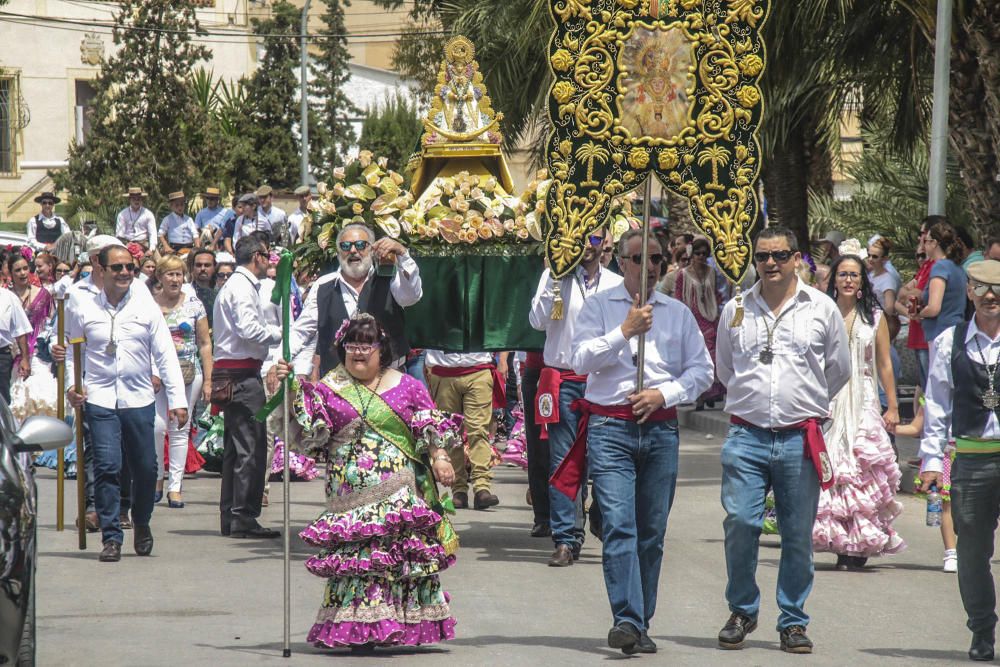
x=136, y=222
x=248, y=222
x=269, y=215
x=212, y=216
x=177, y=230
x=963, y=397
x=46, y=227
x=300, y=219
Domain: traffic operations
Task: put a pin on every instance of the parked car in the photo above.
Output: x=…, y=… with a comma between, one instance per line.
x=18, y=514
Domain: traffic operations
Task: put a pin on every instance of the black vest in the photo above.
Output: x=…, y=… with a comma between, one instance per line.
x=971, y=381
x=45, y=235
x=376, y=299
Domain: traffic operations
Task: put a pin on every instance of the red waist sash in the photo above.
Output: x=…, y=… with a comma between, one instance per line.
x=570, y=474
x=815, y=445
x=238, y=364
x=547, y=400
x=499, y=381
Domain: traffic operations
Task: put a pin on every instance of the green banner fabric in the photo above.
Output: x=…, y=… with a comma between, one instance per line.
x=475, y=303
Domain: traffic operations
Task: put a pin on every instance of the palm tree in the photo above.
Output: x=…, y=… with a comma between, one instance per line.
x=589, y=153
x=714, y=155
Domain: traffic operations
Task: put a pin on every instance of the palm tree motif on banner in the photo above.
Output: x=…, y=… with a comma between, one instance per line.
x=655, y=88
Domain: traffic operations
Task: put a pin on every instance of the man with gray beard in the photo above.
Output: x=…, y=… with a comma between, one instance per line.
x=356, y=287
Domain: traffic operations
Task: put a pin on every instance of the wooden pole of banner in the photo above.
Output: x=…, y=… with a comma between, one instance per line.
x=643, y=282
x=61, y=413
x=81, y=471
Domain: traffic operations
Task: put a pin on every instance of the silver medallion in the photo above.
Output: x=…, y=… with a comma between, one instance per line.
x=991, y=399
x=766, y=356
x=111, y=349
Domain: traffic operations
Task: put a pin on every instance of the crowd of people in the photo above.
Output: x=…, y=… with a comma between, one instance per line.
x=177, y=320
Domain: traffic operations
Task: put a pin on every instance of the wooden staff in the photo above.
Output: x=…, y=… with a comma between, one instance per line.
x=643, y=283
x=81, y=471
x=61, y=413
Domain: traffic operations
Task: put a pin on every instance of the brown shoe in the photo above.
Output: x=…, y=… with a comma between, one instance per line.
x=461, y=500
x=124, y=522
x=90, y=521
x=484, y=499
x=112, y=553
x=264, y=502
x=561, y=557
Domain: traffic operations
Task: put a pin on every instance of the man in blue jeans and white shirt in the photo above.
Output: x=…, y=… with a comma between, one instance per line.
x=632, y=437
x=781, y=366
x=559, y=386
x=122, y=334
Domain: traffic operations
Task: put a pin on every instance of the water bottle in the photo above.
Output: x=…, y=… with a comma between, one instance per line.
x=934, y=507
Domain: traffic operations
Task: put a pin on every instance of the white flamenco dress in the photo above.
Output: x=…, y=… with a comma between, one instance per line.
x=855, y=515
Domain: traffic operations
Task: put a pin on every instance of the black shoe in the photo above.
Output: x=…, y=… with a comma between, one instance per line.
x=576, y=549
x=561, y=557
x=254, y=532
x=541, y=530
x=794, y=640
x=484, y=500
x=982, y=646
x=734, y=633
x=142, y=540
x=460, y=500
x=624, y=636
x=112, y=553
x=645, y=644
x=843, y=563
x=858, y=562
x=596, y=522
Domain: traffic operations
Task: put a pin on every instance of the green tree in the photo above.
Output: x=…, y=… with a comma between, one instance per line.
x=146, y=128
x=391, y=130
x=331, y=135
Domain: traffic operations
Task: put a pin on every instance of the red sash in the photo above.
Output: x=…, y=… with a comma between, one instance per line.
x=238, y=364
x=499, y=381
x=547, y=400
x=815, y=446
x=571, y=473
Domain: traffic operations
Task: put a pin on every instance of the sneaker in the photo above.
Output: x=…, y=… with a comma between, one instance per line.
x=950, y=560
x=794, y=640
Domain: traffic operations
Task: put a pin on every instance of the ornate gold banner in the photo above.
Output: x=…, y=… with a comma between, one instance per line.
x=664, y=87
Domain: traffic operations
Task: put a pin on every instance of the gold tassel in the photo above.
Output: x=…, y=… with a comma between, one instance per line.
x=557, y=302
x=737, y=320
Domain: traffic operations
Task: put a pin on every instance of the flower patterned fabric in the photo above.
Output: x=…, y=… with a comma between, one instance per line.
x=380, y=551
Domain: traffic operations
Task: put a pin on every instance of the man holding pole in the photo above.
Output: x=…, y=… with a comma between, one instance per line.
x=781, y=366
x=631, y=434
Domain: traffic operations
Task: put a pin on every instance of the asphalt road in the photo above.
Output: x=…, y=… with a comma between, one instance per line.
x=206, y=600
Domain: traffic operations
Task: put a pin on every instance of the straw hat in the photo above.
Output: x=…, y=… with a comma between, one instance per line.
x=212, y=192
x=174, y=196
x=135, y=192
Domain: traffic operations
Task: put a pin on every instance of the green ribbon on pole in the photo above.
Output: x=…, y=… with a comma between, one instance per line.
x=282, y=296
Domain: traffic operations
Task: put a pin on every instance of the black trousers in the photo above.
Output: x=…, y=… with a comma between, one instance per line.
x=244, y=456
x=6, y=370
x=975, y=508
x=537, y=450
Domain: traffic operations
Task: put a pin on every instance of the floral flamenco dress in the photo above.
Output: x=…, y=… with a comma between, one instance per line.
x=384, y=536
x=855, y=515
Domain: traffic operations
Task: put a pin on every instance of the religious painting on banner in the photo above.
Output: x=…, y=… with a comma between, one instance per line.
x=664, y=88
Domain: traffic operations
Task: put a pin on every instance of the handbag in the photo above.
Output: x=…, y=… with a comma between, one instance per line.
x=188, y=370
x=222, y=390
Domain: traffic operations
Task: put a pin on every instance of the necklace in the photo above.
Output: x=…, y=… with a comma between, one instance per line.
x=991, y=399
x=360, y=430
x=767, y=354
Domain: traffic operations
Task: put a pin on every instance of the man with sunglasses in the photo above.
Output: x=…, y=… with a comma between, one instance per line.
x=559, y=386
x=963, y=397
x=628, y=437
x=122, y=335
x=781, y=366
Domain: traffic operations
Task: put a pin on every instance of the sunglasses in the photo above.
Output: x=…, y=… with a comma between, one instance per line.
x=118, y=268
x=361, y=348
x=595, y=240
x=345, y=246
x=222, y=275
x=980, y=289
x=779, y=256
x=655, y=258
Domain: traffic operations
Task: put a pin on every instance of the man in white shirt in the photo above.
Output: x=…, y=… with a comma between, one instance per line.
x=242, y=338
x=781, y=366
x=45, y=228
x=631, y=446
x=249, y=220
x=14, y=330
x=270, y=216
x=963, y=396
x=559, y=386
x=300, y=220
x=177, y=230
x=121, y=334
x=136, y=222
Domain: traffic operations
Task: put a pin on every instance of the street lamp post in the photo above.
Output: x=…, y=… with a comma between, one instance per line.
x=303, y=83
x=937, y=178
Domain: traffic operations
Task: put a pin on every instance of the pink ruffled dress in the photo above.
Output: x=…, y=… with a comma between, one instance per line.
x=380, y=553
x=855, y=515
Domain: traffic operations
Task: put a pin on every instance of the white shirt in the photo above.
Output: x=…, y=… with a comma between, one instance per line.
x=457, y=359
x=406, y=288
x=178, y=228
x=677, y=363
x=134, y=226
x=941, y=390
x=811, y=358
x=272, y=218
x=121, y=378
x=240, y=328
x=45, y=222
x=882, y=284
x=13, y=320
x=558, y=352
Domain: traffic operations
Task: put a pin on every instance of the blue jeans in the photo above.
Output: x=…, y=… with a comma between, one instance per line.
x=415, y=368
x=923, y=367
x=753, y=461
x=126, y=433
x=565, y=515
x=634, y=468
